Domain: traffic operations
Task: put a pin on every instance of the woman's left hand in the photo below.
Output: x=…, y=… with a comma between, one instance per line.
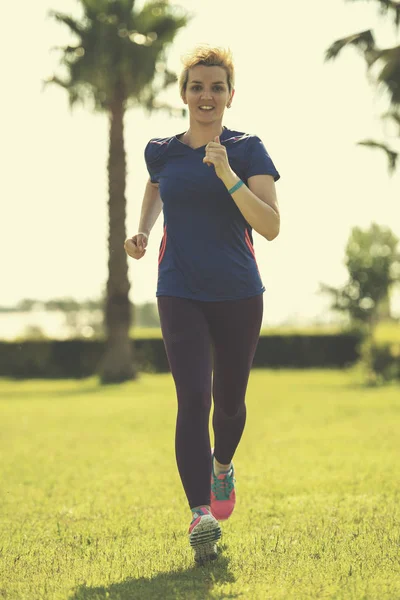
x=216, y=155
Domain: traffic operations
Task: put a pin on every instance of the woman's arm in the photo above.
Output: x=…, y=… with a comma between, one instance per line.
x=151, y=208
x=257, y=203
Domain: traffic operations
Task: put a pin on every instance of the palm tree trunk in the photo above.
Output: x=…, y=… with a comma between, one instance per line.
x=117, y=364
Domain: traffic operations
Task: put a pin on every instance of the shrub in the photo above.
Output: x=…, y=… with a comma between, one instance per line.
x=381, y=362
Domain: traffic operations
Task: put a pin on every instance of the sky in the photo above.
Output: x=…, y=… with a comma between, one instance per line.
x=309, y=114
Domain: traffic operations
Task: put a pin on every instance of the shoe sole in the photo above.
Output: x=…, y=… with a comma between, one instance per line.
x=203, y=539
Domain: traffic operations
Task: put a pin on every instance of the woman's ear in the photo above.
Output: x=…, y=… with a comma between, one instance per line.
x=230, y=99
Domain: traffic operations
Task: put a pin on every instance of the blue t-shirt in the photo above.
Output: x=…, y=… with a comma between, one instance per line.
x=206, y=252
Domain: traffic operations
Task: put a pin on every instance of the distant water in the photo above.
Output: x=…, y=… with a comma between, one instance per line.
x=15, y=325
x=53, y=324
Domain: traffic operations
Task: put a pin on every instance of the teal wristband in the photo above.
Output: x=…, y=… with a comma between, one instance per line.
x=236, y=186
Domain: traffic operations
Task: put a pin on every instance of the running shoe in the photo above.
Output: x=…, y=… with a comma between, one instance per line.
x=204, y=532
x=223, y=495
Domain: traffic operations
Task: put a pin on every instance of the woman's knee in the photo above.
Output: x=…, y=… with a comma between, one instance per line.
x=230, y=411
x=193, y=400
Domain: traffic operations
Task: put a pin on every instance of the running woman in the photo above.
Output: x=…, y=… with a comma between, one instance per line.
x=214, y=186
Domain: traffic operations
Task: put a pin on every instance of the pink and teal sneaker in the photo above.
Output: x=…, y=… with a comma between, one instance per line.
x=204, y=532
x=223, y=495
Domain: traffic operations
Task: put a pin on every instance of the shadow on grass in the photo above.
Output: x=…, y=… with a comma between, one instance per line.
x=195, y=583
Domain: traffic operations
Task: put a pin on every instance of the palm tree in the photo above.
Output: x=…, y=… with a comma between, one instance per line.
x=118, y=61
x=388, y=61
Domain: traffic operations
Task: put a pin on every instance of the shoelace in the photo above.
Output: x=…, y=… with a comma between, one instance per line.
x=223, y=487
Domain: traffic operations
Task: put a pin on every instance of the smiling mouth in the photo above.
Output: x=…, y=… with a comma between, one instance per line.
x=205, y=108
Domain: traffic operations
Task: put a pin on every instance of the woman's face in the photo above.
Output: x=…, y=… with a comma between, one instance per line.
x=207, y=93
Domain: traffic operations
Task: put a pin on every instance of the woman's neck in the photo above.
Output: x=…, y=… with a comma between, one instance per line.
x=197, y=136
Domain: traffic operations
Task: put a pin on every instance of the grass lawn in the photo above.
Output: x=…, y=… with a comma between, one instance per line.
x=91, y=505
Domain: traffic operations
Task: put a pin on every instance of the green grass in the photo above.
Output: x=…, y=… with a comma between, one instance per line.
x=91, y=505
x=388, y=332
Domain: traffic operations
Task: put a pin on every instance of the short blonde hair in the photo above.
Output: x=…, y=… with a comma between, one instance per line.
x=211, y=57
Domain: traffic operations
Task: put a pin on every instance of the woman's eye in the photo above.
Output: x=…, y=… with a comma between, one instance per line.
x=217, y=88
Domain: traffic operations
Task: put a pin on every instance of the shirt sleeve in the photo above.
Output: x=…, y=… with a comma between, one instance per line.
x=151, y=156
x=259, y=161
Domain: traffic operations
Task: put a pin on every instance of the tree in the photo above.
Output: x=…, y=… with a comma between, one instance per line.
x=373, y=264
x=27, y=305
x=32, y=332
x=118, y=61
x=387, y=61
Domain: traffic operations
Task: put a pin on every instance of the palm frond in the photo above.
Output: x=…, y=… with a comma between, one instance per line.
x=73, y=91
x=150, y=101
x=364, y=41
x=66, y=49
x=386, y=6
x=67, y=20
x=390, y=74
x=56, y=80
x=393, y=116
x=391, y=154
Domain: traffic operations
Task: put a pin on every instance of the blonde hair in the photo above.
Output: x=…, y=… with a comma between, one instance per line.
x=211, y=57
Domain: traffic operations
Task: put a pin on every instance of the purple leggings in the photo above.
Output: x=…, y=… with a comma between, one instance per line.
x=202, y=338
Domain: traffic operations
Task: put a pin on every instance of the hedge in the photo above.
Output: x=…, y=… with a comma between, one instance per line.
x=79, y=358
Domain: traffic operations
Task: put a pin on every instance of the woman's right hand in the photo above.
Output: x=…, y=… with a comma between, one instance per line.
x=136, y=245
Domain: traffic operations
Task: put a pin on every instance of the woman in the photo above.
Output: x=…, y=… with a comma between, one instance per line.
x=214, y=186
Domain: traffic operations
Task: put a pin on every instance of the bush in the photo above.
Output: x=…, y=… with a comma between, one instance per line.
x=381, y=362
x=80, y=358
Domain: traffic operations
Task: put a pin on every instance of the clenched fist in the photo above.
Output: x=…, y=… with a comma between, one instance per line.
x=136, y=245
